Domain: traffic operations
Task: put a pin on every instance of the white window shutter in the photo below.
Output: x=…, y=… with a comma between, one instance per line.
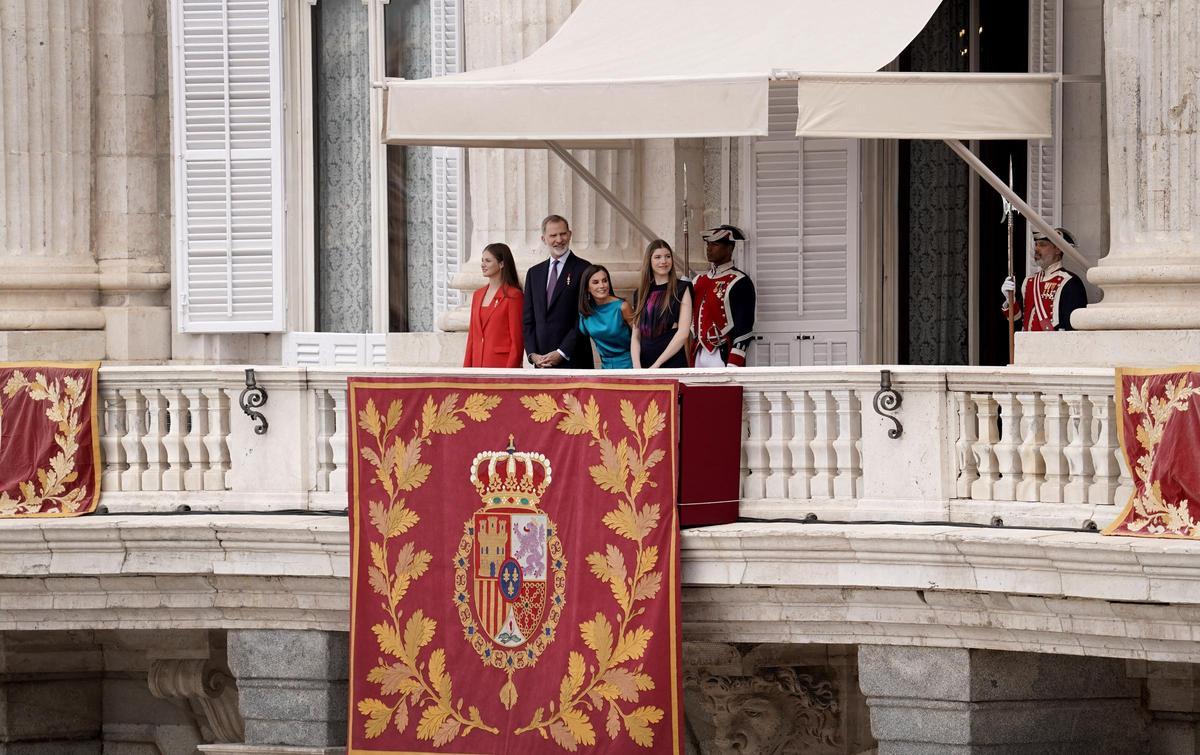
x=449, y=165
x=829, y=241
x=805, y=234
x=1045, y=156
x=226, y=98
x=778, y=216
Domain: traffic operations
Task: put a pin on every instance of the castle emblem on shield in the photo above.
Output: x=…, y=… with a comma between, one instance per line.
x=509, y=572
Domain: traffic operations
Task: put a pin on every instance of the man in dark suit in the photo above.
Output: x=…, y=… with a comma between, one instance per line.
x=551, y=316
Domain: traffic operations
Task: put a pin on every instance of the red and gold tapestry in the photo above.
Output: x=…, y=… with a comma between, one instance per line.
x=49, y=440
x=1158, y=421
x=515, y=575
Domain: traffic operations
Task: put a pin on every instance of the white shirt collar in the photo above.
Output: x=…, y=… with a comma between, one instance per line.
x=561, y=260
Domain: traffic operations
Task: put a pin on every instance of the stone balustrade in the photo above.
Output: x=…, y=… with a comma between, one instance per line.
x=1027, y=446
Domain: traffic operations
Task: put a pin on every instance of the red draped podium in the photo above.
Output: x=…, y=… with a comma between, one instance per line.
x=49, y=440
x=515, y=575
x=1158, y=416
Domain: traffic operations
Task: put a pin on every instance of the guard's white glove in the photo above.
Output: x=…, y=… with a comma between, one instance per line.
x=1007, y=289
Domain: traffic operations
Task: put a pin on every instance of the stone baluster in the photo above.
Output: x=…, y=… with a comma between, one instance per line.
x=337, y=441
x=1078, y=450
x=966, y=473
x=1054, y=449
x=799, y=447
x=1124, y=479
x=1032, y=436
x=744, y=468
x=131, y=441
x=193, y=442
x=323, y=458
x=175, y=451
x=754, y=485
x=152, y=441
x=984, y=449
x=824, y=454
x=216, y=438
x=110, y=440
x=1104, y=449
x=848, y=481
x=778, y=455
x=1008, y=456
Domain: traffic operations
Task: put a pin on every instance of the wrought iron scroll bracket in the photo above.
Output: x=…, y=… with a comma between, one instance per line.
x=253, y=397
x=888, y=400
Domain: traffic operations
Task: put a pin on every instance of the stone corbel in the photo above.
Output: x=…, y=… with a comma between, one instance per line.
x=209, y=691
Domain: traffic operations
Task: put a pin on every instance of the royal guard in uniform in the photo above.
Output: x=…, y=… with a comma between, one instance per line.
x=1049, y=296
x=723, y=314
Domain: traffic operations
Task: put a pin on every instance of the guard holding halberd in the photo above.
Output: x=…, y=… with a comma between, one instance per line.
x=723, y=318
x=1050, y=295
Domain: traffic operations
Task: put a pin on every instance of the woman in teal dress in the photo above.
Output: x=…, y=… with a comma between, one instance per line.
x=605, y=318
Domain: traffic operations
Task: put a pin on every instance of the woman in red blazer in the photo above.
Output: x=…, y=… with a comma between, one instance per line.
x=494, y=337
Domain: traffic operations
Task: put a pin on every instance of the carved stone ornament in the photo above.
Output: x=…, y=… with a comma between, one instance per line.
x=211, y=693
x=776, y=712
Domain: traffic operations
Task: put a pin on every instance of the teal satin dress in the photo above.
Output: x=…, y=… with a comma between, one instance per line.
x=609, y=331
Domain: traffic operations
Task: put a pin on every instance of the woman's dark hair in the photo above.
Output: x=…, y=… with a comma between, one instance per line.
x=587, y=305
x=643, y=293
x=508, y=267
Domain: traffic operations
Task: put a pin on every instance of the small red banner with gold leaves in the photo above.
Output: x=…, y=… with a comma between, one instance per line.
x=515, y=576
x=1158, y=421
x=49, y=440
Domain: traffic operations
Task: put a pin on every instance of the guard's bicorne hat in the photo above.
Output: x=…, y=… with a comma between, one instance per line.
x=727, y=233
x=1067, y=236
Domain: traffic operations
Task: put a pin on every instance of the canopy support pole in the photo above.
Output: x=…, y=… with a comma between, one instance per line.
x=591, y=180
x=1019, y=204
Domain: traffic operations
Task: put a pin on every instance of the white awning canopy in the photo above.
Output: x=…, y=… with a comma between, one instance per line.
x=642, y=69
x=960, y=106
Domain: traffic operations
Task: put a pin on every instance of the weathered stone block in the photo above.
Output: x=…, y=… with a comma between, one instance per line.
x=291, y=685
x=952, y=700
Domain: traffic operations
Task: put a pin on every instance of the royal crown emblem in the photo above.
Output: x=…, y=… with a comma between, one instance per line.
x=509, y=572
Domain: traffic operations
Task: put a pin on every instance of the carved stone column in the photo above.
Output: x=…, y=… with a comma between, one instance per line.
x=48, y=274
x=511, y=191
x=1151, y=276
x=84, y=187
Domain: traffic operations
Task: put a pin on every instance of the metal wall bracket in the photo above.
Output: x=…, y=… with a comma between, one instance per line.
x=253, y=397
x=888, y=400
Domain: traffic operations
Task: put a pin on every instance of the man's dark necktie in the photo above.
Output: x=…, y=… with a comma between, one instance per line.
x=552, y=281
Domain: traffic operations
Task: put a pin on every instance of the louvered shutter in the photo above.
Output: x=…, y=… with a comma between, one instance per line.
x=1045, y=156
x=804, y=241
x=228, y=168
x=449, y=165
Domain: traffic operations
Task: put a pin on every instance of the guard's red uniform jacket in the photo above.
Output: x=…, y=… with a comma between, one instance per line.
x=1047, y=299
x=723, y=313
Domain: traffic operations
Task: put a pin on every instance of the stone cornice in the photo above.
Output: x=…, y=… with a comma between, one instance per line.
x=936, y=585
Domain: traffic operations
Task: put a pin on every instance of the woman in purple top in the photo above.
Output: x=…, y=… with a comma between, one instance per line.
x=662, y=313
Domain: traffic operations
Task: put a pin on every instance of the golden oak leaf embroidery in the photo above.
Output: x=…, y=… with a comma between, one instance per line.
x=604, y=686
x=406, y=682
x=1150, y=511
x=66, y=401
